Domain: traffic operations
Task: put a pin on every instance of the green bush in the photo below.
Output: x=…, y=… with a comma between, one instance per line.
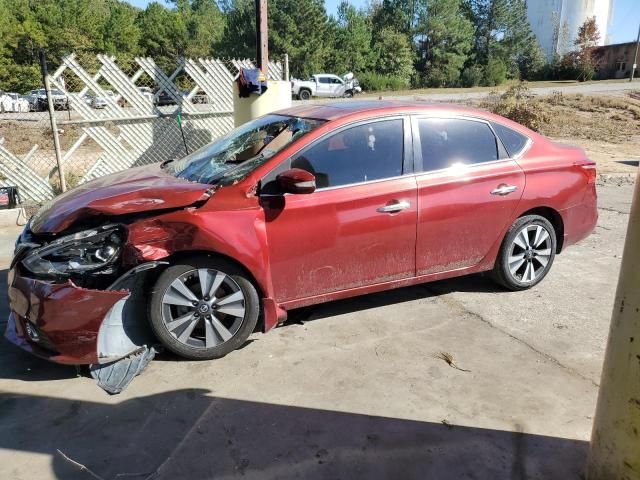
x=374, y=82
x=472, y=76
x=495, y=73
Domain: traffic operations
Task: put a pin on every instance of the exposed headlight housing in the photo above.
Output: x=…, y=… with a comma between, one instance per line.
x=87, y=251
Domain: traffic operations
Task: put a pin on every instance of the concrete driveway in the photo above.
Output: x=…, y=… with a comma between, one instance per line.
x=350, y=389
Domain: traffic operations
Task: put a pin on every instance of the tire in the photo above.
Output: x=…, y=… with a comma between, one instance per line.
x=304, y=94
x=214, y=326
x=348, y=94
x=521, y=261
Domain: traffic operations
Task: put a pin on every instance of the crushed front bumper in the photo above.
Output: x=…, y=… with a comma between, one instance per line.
x=59, y=322
x=67, y=324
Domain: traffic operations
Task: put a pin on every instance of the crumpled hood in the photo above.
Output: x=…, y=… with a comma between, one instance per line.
x=131, y=191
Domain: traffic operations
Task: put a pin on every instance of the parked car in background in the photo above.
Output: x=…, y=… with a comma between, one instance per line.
x=200, y=97
x=305, y=205
x=164, y=98
x=325, y=85
x=146, y=93
x=99, y=101
x=13, y=102
x=38, y=99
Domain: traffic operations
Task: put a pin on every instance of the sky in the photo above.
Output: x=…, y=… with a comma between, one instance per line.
x=623, y=26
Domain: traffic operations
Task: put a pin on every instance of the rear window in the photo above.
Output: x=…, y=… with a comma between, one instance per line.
x=513, y=141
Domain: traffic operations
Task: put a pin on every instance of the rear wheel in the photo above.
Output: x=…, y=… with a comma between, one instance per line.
x=203, y=308
x=304, y=94
x=526, y=254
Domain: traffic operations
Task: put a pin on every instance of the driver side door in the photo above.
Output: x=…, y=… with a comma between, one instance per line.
x=359, y=227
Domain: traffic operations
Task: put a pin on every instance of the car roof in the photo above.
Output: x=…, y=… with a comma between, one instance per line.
x=340, y=109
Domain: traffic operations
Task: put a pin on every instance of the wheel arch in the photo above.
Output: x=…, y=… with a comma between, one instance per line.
x=177, y=256
x=554, y=217
x=184, y=254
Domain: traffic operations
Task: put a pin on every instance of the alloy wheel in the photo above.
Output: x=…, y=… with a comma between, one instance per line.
x=203, y=308
x=529, y=253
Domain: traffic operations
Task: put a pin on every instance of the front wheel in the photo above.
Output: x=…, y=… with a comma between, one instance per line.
x=203, y=308
x=526, y=254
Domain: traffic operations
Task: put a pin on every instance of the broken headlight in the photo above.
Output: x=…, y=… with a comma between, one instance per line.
x=81, y=252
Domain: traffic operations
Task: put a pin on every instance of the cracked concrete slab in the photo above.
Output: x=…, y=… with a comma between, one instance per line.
x=349, y=389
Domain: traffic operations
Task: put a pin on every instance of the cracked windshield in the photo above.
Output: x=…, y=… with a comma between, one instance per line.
x=242, y=150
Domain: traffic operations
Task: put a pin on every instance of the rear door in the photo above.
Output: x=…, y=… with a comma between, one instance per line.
x=468, y=190
x=359, y=227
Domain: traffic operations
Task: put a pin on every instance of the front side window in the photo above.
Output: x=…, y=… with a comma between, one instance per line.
x=450, y=142
x=242, y=150
x=366, y=152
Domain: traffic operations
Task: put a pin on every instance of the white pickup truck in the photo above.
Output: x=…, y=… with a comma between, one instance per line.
x=325, y=85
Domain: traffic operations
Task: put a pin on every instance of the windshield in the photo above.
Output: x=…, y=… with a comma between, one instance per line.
x=239, y=152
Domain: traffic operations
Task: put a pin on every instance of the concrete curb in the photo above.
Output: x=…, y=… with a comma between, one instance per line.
x=11, y=218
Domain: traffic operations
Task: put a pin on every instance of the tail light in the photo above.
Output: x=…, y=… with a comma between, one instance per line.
x=590, y=168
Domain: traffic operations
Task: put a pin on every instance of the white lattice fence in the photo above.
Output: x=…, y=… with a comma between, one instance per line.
x=125, y=115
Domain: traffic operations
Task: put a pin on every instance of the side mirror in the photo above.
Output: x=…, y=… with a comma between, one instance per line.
x=296, y=180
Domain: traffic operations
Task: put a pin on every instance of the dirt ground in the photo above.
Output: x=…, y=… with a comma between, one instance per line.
x=607, y=127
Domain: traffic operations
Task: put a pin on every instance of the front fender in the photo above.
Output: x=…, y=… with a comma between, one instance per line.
x=238, y=234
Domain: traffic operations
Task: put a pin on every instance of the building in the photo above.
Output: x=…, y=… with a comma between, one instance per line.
x=556, y=22
x=616, y=61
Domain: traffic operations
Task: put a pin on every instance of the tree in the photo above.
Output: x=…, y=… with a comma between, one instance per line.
x=352, y=45
x=398, y=15
x=583, y=56
x=395, y=56
x=163, y=33
x=121, y=32
x=445, y=40
x=503, y=33
x=204, y=26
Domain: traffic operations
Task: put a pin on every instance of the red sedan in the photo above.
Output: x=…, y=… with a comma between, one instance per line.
x=303, y=206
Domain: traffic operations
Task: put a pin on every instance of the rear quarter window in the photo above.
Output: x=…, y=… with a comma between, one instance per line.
x=513, y=141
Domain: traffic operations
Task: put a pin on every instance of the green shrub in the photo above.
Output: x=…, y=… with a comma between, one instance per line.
x=495, y=72
x=374, y=82
x=472, y=76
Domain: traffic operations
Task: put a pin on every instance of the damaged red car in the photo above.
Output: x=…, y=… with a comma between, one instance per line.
x=303, y=206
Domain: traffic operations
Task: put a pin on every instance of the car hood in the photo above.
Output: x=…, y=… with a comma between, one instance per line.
x=131, y=191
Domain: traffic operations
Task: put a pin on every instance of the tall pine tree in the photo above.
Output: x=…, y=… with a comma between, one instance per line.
x=445, y=37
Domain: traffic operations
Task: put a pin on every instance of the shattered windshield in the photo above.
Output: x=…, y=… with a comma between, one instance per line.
x=235, y=155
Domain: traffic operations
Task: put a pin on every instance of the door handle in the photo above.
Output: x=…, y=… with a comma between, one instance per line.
x=504, y=189
x=395, y=206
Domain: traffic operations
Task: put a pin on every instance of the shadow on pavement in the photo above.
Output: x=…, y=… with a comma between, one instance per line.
x=189, y=434
x=469, y=283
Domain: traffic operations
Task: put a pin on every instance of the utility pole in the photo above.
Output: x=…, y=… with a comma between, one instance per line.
x=635, y=57
x=262, y=36
x=615, y=440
